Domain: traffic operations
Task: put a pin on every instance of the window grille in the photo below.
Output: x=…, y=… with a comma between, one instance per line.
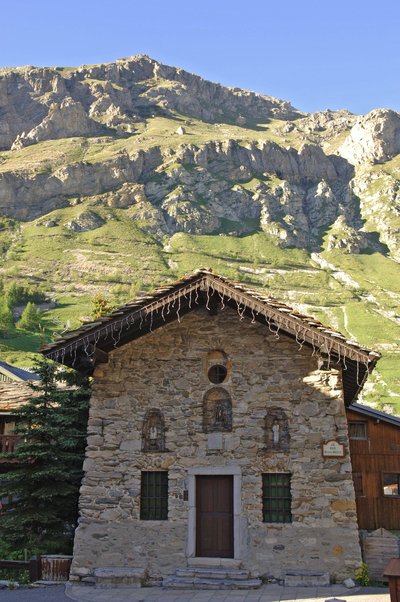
x=357, y=430
x=154, y=495
x=277, y=499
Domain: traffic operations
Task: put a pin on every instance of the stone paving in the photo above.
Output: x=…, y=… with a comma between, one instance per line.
x=267, y=593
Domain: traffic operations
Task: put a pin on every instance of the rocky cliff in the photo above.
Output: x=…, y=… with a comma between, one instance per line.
x=162, y=153
x=42, y=104
x=306, y=171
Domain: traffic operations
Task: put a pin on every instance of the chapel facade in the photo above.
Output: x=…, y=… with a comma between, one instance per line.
x=217, y=436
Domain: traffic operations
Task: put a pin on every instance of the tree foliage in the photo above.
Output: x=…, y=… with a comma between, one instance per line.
x=17, y=294
x=47, y=467
x=31, y=318
x=6, y=318
x=101, y=306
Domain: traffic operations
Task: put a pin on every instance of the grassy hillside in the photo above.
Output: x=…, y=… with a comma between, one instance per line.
x=158, y=206
x=119, y=259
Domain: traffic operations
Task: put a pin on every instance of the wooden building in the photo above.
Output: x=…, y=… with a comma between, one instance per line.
x=14, y=392
x=217, y=436
x=375, y=456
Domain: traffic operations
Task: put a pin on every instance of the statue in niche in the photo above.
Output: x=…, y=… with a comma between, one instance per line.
x=220, y=414
x=277, y=430
x=153, y=431
x=217, y=411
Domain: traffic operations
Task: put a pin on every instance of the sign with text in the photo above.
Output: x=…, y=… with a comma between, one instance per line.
x=333, y=449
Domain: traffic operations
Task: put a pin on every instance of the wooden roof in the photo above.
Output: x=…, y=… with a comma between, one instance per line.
x=14, y=389
x=89, y=344
x=13, y=395
x=375, y=414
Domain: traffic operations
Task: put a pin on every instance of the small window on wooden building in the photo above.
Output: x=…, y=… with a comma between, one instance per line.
x=154, y=495
x=357, y=430
x=358, y=484
x=277, y=498
x=391, y=484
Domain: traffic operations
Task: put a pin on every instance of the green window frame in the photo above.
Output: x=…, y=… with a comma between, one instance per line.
x=154, y=495
x=277, y=498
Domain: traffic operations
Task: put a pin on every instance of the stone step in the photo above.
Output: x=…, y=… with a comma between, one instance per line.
x=216, y=584
x=306, y=578
x=119, y=577
x=206, y=562
x=212, y=573
x=211, y=577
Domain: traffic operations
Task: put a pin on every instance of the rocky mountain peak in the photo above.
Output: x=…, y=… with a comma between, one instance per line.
x=118, y=95
x=374, y=138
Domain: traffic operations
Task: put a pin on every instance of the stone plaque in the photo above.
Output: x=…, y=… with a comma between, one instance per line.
x=214, y=441
x=333, y=449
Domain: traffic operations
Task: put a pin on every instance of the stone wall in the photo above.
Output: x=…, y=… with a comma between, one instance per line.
x=167, y=369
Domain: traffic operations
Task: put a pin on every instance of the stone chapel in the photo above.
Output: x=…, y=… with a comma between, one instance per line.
x=217, y=437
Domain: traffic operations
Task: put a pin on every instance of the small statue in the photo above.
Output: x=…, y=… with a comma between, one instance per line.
x=220, y=413
x=153, y=433
x=275, y=432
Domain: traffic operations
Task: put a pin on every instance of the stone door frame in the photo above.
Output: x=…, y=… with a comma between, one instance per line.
x=234, y=471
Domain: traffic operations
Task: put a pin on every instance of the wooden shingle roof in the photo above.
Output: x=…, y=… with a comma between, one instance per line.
x=89, y=344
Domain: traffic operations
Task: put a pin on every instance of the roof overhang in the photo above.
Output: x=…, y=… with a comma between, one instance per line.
x=85, y=347
x=375, y=414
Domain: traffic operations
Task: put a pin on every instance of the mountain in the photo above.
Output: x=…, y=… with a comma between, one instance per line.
x=120, y=176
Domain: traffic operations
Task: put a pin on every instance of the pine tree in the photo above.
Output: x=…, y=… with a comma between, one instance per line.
x=6, y=318
x=101, y=306
x=15, y=294
x=48, y=464
x=31, y=318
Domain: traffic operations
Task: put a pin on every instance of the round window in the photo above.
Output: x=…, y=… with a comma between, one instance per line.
x=217, y=374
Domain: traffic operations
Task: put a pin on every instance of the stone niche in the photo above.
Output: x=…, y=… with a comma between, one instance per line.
x=277, y=437
x=153, y=431
x=217, y=411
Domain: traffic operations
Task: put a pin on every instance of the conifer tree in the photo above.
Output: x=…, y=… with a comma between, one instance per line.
x=47, y=468
x=101, y=306
x=31, y=318
x=6, y=318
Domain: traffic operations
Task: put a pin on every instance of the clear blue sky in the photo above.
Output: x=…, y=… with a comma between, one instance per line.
x=317, y=54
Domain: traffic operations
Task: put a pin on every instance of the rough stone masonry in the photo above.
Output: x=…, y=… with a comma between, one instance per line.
x=167, y=370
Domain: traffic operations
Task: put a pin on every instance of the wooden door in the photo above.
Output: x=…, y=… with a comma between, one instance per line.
x=214, y=516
